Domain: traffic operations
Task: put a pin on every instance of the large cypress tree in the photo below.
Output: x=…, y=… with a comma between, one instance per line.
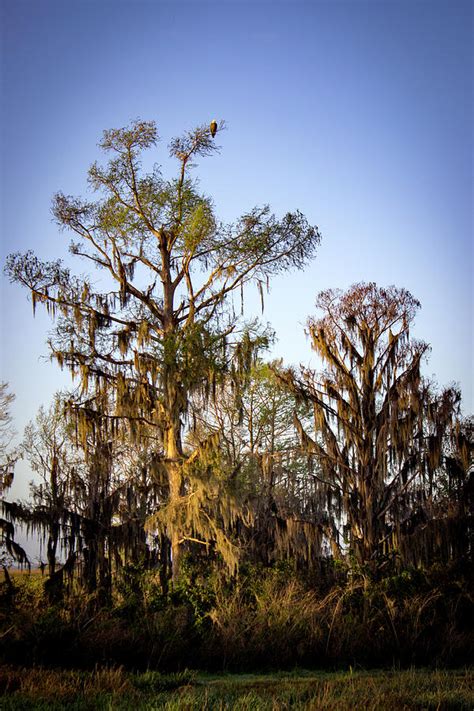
x=155, y=324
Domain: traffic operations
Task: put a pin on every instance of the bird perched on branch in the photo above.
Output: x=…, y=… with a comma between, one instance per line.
x=213, y=128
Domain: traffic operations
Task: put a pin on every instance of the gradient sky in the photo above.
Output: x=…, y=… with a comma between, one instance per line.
x=357, y=113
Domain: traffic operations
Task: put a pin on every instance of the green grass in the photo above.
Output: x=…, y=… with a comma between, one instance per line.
x=111, y=689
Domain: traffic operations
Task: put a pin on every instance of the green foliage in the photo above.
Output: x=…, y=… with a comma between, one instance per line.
x=138, y=591
x=197, y=586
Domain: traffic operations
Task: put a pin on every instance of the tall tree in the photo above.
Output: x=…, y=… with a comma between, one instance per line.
x=378, y=429
x=156, y=327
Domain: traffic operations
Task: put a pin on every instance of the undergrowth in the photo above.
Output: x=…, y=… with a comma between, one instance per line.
x=266, y=619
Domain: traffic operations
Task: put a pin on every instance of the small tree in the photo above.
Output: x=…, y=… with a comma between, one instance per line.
x=378, y=430
x=159, y=326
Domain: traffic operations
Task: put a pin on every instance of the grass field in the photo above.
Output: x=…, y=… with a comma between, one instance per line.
x=116, y=689
x=22, y=572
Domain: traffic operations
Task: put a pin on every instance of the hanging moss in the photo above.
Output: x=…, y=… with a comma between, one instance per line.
x=368, y=409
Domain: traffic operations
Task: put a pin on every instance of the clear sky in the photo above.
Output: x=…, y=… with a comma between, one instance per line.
x=357, y=113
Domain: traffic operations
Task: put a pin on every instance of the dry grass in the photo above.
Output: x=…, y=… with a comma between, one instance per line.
x=19, y=573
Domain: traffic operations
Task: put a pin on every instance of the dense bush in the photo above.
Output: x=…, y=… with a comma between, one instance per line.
x=265, y=618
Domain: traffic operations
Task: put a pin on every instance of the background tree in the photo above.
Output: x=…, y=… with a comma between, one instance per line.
x=379, y=431
x=50, y=452
x=439, y=526
x=261, y=449
x=9, y=548
x=8, y=455
x=158, y=326
x=92, y=501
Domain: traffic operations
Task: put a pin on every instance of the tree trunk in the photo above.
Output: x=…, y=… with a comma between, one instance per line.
x=175, y=493
x=165, y=562
x=52, y=547
x=173, y=456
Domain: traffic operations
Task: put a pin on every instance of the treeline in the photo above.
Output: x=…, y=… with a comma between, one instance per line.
x=193, y=498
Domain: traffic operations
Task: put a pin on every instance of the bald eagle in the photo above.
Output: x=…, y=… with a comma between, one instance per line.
x=213, y=128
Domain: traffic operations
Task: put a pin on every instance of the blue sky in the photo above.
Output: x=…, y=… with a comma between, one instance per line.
x=357, y=113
